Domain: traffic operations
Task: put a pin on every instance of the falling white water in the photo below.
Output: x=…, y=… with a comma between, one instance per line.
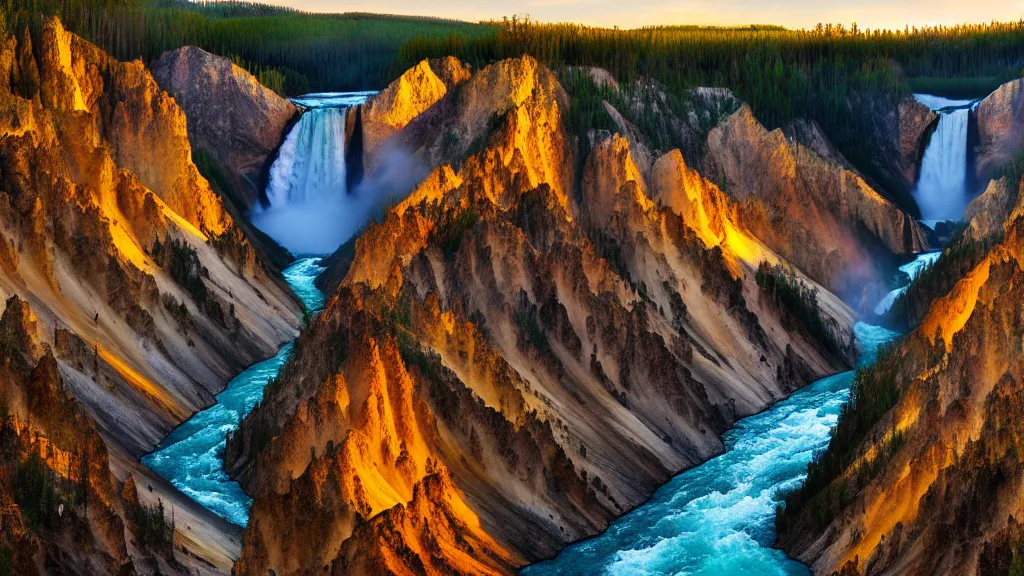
x=941, y=191
x=310, y=166
x=310, y=210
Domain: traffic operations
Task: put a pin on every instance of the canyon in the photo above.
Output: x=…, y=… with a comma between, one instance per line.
x=516, y=333
x=477, y=334
x=923, y=477
x=132, y=297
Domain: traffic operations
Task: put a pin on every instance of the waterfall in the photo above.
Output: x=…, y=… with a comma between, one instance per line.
x=310, y=166
x=941, y=191
x=311, y=211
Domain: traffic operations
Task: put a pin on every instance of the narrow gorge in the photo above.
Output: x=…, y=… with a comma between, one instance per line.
x=501, y=313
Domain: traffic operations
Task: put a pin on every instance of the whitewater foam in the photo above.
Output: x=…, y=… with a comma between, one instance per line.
x=192, y=457
x=912, y=269
x=718, y=518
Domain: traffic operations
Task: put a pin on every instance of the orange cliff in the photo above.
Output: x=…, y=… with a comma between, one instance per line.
x=62, y=508
x=514, y=356
x=945, y=498
x=148, y=295
x=821, y=216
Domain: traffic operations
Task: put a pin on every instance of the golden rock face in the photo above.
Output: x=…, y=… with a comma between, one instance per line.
x=414, y=92
x=812, y=211
x=143, y=286
x=513, y=356
x=48, y=433
x=933, y=486
x=945, y=498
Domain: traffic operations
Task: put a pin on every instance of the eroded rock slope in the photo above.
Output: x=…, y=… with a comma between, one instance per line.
x=514, y=356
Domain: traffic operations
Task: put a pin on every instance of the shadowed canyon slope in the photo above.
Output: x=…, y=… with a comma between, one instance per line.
x=922, y=476
x=230, y=116
x=818, y=214
x=144, y=295
x=1000, y=119
x=517, y=353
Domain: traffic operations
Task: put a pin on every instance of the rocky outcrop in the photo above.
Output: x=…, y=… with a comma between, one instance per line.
x=62, y=512
x=684, y=124
x=231, y=117
x=916, y=122
x=926, y=478
x=989, y=211
x=809, y=134
x=513, y=357
x=641, y=155
x=812, y=211
x=145, y=295
x=141, y=284
x=411, y=94
x=1000, y=119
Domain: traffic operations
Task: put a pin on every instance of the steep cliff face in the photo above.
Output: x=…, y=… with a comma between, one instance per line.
x=513, y=358
x=411, y=94
x=916, y=122
x=149, y=295
x=992, y=209
x=1000, y=119
x=810, y=210
x=61, y=505
x=931, y=484
x=230, y=116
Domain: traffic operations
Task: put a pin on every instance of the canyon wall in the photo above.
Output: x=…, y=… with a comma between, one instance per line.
x=1000, y=119
x=922, y=473
x=931, y=485
x=146, y=296
x=230, y=116
x=810, y=208
x=916, y=123
x=512, y=357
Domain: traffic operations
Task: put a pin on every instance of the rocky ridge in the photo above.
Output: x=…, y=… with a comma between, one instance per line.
x=944, y=498
x=146, y=295
x=810, y=209
x=230, y=116
x=512, y=356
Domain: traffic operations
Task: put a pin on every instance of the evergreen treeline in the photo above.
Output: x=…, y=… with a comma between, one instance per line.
x=834, y=75
x=311, y=52
x=152, y=528
x=847, y=79
x=43, y=496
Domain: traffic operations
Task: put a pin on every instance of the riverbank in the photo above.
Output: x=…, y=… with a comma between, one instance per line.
x=192, y=457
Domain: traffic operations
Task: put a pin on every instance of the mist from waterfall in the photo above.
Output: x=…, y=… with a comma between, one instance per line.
x=941, y=191
x=311, y=211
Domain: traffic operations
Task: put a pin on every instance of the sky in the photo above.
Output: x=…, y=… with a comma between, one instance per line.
x=636, y=13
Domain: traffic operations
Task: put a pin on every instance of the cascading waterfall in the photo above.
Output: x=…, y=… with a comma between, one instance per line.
x=941, y=191
x=310, y=166
x=310, y=210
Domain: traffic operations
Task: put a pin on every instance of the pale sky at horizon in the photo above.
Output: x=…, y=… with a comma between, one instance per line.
x=636, y=13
